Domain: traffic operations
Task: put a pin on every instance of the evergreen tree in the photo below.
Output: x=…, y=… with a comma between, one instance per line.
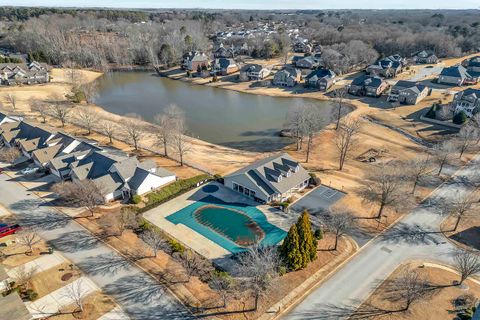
x=290, y=251
x=308, y=244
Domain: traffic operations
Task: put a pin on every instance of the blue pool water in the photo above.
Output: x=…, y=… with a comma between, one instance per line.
x=186, y=216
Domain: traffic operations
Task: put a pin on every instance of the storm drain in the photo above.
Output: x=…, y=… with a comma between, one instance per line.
x=386, y=250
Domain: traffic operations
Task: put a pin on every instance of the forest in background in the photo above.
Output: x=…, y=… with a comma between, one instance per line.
x=101, y=38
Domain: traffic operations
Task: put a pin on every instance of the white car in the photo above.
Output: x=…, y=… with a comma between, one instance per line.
x=27, y=171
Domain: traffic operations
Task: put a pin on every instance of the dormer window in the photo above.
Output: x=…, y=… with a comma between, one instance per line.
x=297, y=168
x=279, y=178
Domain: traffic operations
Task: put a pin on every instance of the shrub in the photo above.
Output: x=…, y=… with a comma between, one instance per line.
x=136, y=199
x=176, y=246
x=314, y=179
x=460, y=118
x=432, y=113
x=282, y=270
x=31, y=295
x=318, y=234
x=172, y=190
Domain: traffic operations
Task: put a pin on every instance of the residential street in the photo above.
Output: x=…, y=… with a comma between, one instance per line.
x=136, y=292
x=414, y=237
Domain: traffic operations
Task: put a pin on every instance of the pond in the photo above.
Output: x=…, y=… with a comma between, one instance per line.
x=220, y=116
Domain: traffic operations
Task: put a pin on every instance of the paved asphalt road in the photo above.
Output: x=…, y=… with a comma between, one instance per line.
x=135, y=291
x=414, y=237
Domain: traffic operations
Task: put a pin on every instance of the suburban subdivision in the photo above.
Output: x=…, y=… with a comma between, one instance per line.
x=239, y=161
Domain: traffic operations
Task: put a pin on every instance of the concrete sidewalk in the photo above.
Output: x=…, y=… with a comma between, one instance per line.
x=115, y=314
x=60, y=298
x=40, y=264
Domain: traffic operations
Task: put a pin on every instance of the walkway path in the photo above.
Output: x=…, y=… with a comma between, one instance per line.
x=136, y=292
x=416, y=236
x=38, y=265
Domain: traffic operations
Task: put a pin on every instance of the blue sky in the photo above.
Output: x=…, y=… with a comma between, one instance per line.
x=256, y=4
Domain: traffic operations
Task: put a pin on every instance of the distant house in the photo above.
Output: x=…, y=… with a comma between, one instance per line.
x=307, y=63
x=321, y=79
x=274, y=178
x=387, y=67
x=302, y=47
x=368, y=86
x=223, y=52
x=424, y=57
x=467, y=101
x=457, y=76
x=472, y=64
x=32, y=73
x=224, y=66
x=193, y=61
x=408, y=92
x=254, y=72
x=287, y=77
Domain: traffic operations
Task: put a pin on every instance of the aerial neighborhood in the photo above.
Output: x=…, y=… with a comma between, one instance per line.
x=239, y=164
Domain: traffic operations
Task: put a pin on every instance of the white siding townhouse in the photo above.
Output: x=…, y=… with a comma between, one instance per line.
x=467, y=101
x=275, y=178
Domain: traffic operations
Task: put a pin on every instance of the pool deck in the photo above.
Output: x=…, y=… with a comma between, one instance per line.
x=195, y=240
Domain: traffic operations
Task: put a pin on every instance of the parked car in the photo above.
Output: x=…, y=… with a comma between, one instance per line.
x=28, y=171
x=6, y=231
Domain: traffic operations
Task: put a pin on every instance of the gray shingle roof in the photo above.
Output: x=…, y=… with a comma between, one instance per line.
x=266, y=171
x=456, y=72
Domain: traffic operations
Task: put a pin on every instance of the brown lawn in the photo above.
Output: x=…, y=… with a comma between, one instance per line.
x=55, y=278
x=438, y=307
x=96, y=304
x=15, y=252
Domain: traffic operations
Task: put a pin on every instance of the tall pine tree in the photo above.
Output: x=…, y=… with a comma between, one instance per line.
x=290, y=250
x=308, y=244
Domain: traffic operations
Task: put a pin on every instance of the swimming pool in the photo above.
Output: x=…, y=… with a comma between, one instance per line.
x=233, y=226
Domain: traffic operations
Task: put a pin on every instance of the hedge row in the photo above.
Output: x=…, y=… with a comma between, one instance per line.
x=172, y=190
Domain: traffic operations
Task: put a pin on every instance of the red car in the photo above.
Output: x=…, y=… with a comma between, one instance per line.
x=6, y=231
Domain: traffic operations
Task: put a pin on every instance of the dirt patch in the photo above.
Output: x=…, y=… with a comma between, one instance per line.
x=438, y=307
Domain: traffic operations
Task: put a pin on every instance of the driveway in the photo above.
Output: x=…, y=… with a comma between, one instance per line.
x=136, y=292
x=416, y=236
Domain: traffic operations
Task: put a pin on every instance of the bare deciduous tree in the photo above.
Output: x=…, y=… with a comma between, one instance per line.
x=465, y=140
x=180, y=142
x=384, y=187
x=87, y=118
x=223, y=284
x=467, y=263
x=90, y=91
x=83, y=193
x=23, y=275
x=60, y=111
x=460, y=207
x=443, y=154
x=9, y=155
x=191, y=263
x=77, y=293
x=12, y=100
x=418, y=169
x=108, y=128
x=155, y=241
x=134, y=128
x=312, y=124
x=409, y=288
x=339, y=95
x=28, y=239
x=168, y=122
x=259, y=265
x=295, y=123
x=345, y=139
x=41, y=108
x=339, y=222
